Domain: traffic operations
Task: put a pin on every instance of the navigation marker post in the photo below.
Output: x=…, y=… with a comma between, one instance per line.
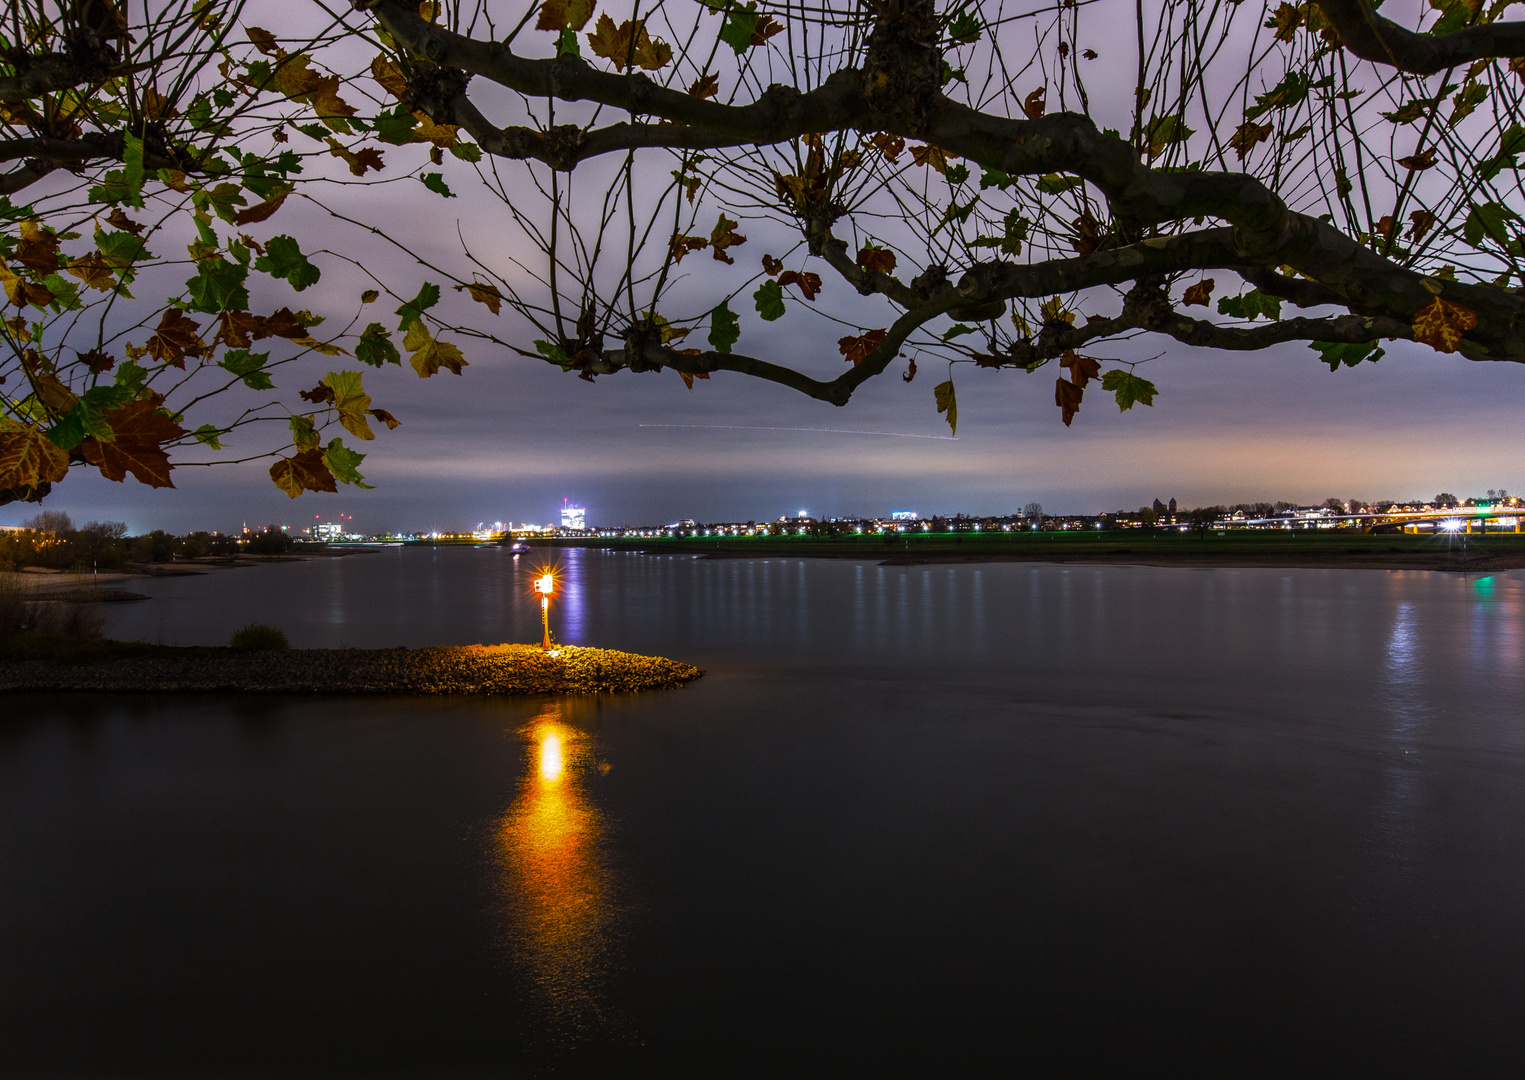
x=545, y=585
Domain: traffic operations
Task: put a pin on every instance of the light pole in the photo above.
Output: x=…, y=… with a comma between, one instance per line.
x=545, y=585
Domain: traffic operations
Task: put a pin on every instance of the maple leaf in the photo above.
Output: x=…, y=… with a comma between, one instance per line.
x=1198, y=293
x=386, y=72
x=771, y=266
x=1247, y=135
x=682, y=244
x=947, y=402
x=94, y=271
x=1067, y=396
x=809, y=283
x=1441, y=323
x=175, y=338
x=484, y=293
x=429, y=355
x=1418, y=162
x=441, y=135
x=1054, y=311
x=263, y=40
x=933, y=156
x=856, y=349
x=319, y=395
x=723, y=236
x=1420, y=223
x=358, y=161
x=97, y=361
x=38, y=250
x=27, y=458
x=1082, y=368
x=688, y=377
x=350, y=401
x=1033, y=104
x=306, y=471
x=237, y=329
x=262, y=211
x=565, y=14
x=21, y=292
x=119, y=220
x=140, y=429
x=1129, y=389
x=765, y=27
x=888, y=145
x=386, y=418
x=876, y=259
x=705, y=86
x=1285, y=21
x=627, y=44
x=282, y=324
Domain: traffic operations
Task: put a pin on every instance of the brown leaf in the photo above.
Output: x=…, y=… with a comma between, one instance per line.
x=1033, y=104
x=771, y=266
x=306, y=471
x=628, y=44
x=386, y=418
x=322, y=394
x=140, y=431
x=932, y=156
x=261, y=211
x=386, y=72
x=683, y=244
x=1198, y=293
x=236, y=329
x=94, y=271
x=856, y=349
x=282, y=324
x=484, y=293
x=1418, y=162
x=1247, y=135
x=38, y=250
x=176, y=338
x=876, y=259
x=1440, y=324
x=1082, y=368
x=97, y=361
x=55, y=395
x=888, y=145
x=765, y=27
x=264, y=41
x=723, y=236
x=358, y=161
x=705, y=86
x=1087, y=234
x=565, y=14
x=1420, y=223
x=441, y=135
x=121, y=221
x=910, y=370
x=1387, y=226
x=809, y=283
x=1285, y=22
x=1089, y=54
x=1067, y=396
x=27, y=458
x=21, y=292
x=688, y=377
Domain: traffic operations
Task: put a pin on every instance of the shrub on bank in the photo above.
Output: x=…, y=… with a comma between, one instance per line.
x=258, y=637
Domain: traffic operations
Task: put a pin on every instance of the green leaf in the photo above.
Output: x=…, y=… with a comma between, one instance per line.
x=121, y=248
x=107, y=396
x=218, y=286
x=131, y=377
x=223, y=199
x=435, y=182
x=414, y=309
x=995, y=178
x=1128, y=388
x=132, y=171
x=725, y=328
x=566, y=43
x=1290, y=91
x=342, y=462
x=466, y=151
x=1016, y=233
x=1488, y=220
x=375, y=347
x=957, y=330
x=554, y=353
x=246, y=365
x=1057, y=184
x=769, y=299
x=283, y=258
x=396, y=127
x=208, y=435
x=947, y=402
x=739, y=23
x=65, y=292
x=81, y=421
x=1511, y=143
x=1456, y=16
x=1251, y=305
x=964, y=28
x=1335, y=353
x=957, y=174
x=303, y=435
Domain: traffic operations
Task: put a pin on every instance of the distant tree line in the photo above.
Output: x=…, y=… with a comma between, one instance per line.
x=51, y=540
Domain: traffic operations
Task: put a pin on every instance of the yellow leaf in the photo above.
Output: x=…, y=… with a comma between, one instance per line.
x=389, y=75
x=1440, y=324
x=1055, y=311
x=441, y=135
x=947, y=402
x=27, y=458
x=351, y=402
x=484, y=293
x=429, y=355
x=932, y=156
x=628, y=43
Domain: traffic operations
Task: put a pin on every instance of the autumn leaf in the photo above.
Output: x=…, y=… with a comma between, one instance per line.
x=1054, y=311
x=1247, y=135
x=771, y=266
x=386, y=418
x=723, y=236
x=888, y=145
x=1067, y=396
x=933, y=157
x=809, y=283
x=441, y=135
x=688, y=377
x=94, y=271
x=97, y=361
x=627, y=44
x=1033, y=104
x=1285, y=21
x=565, y=14
x=429, y=355
x=117, y=219
x=1082, y=368
x=38, y=249
x=358, y=160
x=321, y=394
x=484, y=293
x=682, y=244
x=876, y=259
x=1198, y=293
x=1420, y=223
x=705, y=86
x=947, y=402
x=305, y=471
x=1418, y=162
x=175, y=338
x=1440, y=324
x=263, y=40
x=386, y=72
x=140, y=430
x=27, y=458
x=262, y=211
x=856, y=349
x=350, y=401
x=22, y=292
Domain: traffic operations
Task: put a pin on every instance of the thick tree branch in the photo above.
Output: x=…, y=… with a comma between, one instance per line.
x=1382, y=41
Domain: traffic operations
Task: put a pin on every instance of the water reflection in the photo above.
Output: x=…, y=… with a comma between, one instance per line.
x=559, y=891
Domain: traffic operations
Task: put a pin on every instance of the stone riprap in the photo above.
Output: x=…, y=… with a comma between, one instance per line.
x=469, y=669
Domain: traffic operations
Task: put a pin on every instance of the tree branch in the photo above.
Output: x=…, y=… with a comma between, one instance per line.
x=1382, y=41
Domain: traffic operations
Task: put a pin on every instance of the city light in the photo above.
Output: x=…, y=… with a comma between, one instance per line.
x=1450, y=525
x=545, y=585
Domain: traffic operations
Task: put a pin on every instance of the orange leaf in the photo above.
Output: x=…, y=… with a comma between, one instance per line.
x=809, y=283
x=705, y=86
x=1440, y=324
x=856, y=349
x=386, y=418
x=1067, y=396
x=1082, y=368
x=724, y=235
x=1199, y=293
x=305, y=471
x=390, y=76
x=140, y=430
x=888, y=145
x=261, y=211
x=878, y=259
x=27, y=458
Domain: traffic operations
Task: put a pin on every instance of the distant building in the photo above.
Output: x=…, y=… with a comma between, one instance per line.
x=573, y=517
x=904, y=515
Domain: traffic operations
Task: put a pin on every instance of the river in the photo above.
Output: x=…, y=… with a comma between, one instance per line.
x=914, y=821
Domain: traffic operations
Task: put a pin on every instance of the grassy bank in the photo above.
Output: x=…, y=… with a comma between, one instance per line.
x=1310, y=548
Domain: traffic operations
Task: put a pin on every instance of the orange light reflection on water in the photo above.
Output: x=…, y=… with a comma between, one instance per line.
x=558, y=890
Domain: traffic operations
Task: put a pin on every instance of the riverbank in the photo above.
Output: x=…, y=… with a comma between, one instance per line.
x=1312, y=550
x=137, y=667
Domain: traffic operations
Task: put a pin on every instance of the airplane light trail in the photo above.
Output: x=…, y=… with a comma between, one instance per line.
x=827, y=430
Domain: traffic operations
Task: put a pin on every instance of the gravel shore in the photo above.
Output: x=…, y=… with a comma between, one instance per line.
x=470, y=669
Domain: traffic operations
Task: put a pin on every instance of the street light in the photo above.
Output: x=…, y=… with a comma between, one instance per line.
x=545, y=585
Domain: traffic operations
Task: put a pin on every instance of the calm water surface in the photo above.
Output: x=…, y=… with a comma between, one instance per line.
x=930, y=821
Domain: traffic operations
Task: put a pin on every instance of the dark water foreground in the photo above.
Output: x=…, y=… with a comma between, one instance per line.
x=936, y=821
